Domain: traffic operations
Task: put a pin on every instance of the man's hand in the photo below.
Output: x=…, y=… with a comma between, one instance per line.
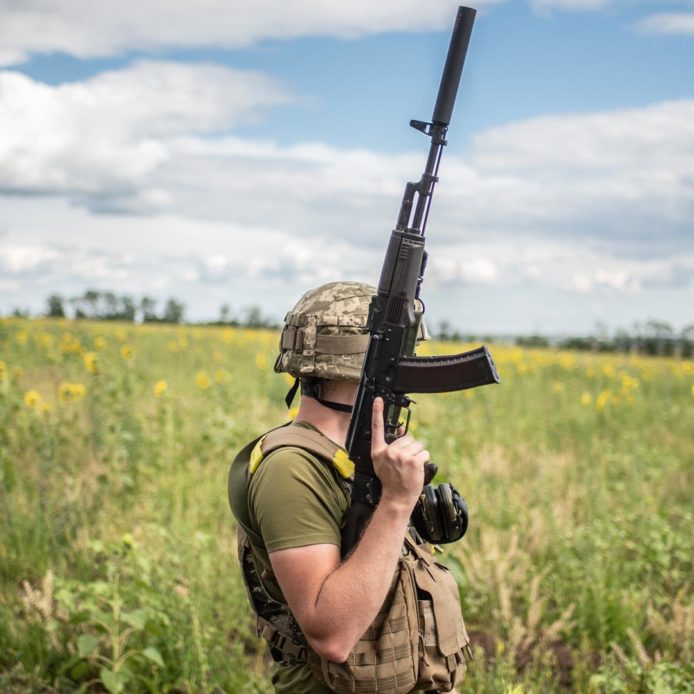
x=398, y=465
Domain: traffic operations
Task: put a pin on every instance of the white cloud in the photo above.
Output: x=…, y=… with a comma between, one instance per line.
x=146, y=140
x=91, y=29
x=612, y=176
x=23, y=259
x=516, y=283
x=49, y=246
x=667, y=23
x=581, y=204
x=559, y=264
x=108, y=134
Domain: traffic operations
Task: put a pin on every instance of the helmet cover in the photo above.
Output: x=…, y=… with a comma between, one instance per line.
x=325, y=335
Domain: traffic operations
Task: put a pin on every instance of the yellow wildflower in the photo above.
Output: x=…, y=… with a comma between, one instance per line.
x=91, y=361
x=260, y=360
x=608, y=370
x=3, y=370
x=629, y=383
x=100, y=343
x=22, y=337
x=557, y=386
x=289, y=379
x=202, y=380
x=228, y=336
x=46, y=340
x=159, y=388
x=602, y=399
x=69, y=343
x=586, y=399
x=692, y=391
x=71, y=392
x=32, y=399
x=128, y=540
x=567, y=362
x=172, y=345
x=127, y=352
x=292, y=412
x=221, y=376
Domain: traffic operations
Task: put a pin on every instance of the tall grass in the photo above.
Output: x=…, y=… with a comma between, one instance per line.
x=117, y=555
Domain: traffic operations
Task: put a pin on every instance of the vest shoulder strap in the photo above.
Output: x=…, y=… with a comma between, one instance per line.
x=306, y=439
x=237, y=490
x=250, y=457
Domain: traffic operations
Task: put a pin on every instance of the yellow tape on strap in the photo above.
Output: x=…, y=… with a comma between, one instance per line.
x=343, y=464
x=256, y=456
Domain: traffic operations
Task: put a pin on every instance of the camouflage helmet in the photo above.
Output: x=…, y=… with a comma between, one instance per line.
x=325, y=335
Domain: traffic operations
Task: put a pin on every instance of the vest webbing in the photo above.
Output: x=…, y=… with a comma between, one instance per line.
x=286, y=638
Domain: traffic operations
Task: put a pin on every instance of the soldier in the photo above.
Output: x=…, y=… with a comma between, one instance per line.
x=290, y=491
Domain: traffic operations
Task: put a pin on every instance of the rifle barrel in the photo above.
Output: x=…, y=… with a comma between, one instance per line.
x=453, y=68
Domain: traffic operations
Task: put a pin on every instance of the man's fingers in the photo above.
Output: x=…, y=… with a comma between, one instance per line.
x=378, y=440
x=403, y=441
x=414, y=448
x=423, y=457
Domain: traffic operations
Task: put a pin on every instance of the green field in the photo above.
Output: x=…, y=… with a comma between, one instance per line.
x=117, y=564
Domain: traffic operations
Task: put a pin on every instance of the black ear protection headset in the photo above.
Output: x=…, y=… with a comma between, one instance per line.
x=441, y=514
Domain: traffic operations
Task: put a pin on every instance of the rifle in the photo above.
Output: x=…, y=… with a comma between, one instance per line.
x=391, y=370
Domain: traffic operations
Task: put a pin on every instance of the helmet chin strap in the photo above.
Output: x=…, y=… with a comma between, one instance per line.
x=340, y=407
x=291, y=393
x=311, y=388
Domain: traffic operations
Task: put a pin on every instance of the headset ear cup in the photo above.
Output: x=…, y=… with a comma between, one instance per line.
x=440, y=515
x=461, y=513
x=422, y=516
x=432, y=513
x=446, y=510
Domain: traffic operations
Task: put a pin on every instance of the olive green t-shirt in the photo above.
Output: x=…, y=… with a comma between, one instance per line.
x=294, y=500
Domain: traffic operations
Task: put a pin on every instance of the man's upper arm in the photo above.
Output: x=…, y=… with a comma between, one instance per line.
x=298, y=505
x=295, y=501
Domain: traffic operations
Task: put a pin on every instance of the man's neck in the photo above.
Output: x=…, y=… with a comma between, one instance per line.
x=330, y=423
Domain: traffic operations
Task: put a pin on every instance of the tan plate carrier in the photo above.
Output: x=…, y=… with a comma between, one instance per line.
x=417, y=641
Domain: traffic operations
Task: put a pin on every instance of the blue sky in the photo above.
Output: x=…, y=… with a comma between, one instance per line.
x=248, y=155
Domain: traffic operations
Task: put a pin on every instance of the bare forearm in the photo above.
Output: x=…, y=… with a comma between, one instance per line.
x=352, y=595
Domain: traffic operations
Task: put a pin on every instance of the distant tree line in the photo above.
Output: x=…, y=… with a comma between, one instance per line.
x=96, y=304
x=654, y=337
x=107, y=305
x=252, y=317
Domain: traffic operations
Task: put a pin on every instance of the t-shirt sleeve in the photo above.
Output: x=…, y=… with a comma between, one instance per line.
x=295, y=501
